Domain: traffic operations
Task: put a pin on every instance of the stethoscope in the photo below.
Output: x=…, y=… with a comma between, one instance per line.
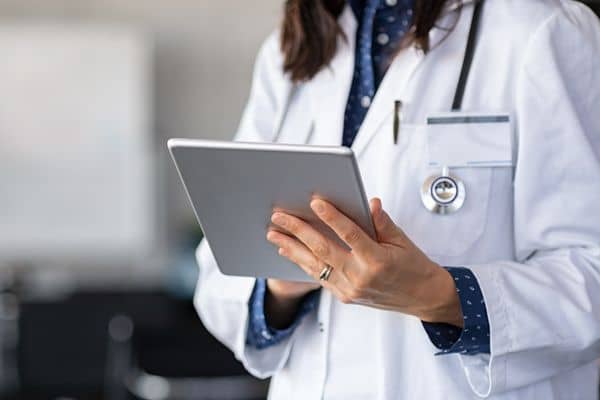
x=441, y=193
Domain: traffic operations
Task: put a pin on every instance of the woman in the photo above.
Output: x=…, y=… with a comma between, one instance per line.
x=484, y=278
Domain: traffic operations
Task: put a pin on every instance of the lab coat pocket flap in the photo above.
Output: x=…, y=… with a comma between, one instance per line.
x=459, y=140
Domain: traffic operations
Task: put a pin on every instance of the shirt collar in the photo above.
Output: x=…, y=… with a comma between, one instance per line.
x=357, y=6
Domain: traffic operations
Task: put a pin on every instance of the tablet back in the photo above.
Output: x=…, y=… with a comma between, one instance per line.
x=234, y=187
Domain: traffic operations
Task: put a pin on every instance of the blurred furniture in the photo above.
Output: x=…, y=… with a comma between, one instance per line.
x=159, y=364
x=65, y=350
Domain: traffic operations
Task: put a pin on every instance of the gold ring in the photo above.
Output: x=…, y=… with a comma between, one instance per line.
x=324, y=275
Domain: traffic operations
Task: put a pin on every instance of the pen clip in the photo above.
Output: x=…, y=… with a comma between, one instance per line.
x=397, y=119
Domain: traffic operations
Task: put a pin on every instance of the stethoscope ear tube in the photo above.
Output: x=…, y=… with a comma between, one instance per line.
x=468, y=59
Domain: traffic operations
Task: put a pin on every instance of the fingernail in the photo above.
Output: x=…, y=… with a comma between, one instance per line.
x=278, y=219
x=318, y=206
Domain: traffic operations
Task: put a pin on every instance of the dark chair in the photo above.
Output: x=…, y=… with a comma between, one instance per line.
x=169, y=364
x=66, y=350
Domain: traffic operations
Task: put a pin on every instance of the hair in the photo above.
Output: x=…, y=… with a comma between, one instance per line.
x=310, y=31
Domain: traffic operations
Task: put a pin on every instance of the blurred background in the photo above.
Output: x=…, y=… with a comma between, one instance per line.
x=97, y=238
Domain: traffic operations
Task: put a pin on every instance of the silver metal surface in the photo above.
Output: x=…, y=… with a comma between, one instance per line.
x=443, y=193
x=234, y=188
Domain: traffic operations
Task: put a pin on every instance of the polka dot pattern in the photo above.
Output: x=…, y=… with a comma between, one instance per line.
x=381, y=26
x=474, y=337
x=260, y=335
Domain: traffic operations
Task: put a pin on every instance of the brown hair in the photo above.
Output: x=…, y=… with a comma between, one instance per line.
x=310, y=31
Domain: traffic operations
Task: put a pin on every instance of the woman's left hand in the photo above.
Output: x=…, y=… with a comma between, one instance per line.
x=390, y=273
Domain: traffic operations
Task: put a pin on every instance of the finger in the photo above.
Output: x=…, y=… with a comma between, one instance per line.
x=295, y=251
x=323, y=248
x=387, y=231
x=344, y=227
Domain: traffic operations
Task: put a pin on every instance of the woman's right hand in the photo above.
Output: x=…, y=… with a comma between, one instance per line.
x=283, y=299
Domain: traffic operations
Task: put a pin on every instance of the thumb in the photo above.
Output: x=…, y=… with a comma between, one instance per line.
x=387, y=231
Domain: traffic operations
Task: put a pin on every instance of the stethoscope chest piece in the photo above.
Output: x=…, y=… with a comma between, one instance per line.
x=443, y=193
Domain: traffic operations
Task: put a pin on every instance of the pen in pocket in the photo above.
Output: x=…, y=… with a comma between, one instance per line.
x=397, y=117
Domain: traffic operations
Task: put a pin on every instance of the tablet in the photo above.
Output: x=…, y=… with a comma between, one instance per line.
x=234, y=187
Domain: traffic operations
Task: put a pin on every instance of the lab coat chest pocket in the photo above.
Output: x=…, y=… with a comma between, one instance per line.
x=396, y=172
x=451, y=235
x=473, y=146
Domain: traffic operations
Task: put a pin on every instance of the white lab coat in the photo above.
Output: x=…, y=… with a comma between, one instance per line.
x=530, y=234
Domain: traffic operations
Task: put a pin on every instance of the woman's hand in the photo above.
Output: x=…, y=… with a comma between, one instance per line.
x=389, y=273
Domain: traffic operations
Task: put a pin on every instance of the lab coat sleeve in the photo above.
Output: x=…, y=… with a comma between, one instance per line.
x=544, y=309
x=222, y=301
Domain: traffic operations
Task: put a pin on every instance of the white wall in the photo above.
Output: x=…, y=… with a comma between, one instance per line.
x=204, y=52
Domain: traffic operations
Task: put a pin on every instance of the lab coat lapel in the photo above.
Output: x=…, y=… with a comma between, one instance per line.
x=390, y=89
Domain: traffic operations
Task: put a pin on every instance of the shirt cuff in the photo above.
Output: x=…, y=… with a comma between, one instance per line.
x=260, y=335
x=474, y=337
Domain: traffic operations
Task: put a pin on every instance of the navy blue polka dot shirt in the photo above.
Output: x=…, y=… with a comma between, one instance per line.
x=382, y=25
